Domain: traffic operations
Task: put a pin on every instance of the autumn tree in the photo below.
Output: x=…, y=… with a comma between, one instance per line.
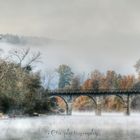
x=96, y=78
x=87, y=85
x=110, y=80
x=127, y=82
x=94, y=82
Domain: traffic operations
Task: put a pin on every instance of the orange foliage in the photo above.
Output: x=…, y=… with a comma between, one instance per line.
x=127, y=82
x=83, y=103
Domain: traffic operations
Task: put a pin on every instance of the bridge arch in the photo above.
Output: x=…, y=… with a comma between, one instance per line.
x=63, y=99
x=77, y=102
x=135, y=103
x=112, y=103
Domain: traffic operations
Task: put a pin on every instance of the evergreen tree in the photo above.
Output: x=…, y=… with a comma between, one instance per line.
x=65, y=75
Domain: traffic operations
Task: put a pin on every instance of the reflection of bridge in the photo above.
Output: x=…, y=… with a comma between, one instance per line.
x=97, y=96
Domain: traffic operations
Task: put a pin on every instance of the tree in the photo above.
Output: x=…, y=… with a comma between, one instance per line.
x=65, y=76
x=86, y=85
x=137, y=66
x=75, y=83
x=25, y=58
x=33, y=85
x=109, y=81
x=18, y=87
x=94, y=82
x=16, y=84
x=96, y=77
x=96, y=74
x=127, y=82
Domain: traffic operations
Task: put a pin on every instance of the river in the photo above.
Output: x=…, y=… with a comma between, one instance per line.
x=79, y=126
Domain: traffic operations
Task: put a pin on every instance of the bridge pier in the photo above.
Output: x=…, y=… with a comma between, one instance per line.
x=69, y=109
x=127, y=105
x=98, y=110
x=98, y=107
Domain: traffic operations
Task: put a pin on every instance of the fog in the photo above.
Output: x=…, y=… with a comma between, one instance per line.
x=71, y=127
x=71, y=20
x=94, y=34
x=81, y=59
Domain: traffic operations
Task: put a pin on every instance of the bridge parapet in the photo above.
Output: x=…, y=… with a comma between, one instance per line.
x=94, y=92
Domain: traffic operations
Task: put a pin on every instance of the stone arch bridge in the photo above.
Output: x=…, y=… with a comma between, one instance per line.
x=97, y=96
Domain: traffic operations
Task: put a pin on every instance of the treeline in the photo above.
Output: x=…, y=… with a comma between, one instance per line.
x=96, y=80
x=24, y=40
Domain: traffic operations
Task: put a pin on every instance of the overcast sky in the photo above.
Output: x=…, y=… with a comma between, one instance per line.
x=98, y=34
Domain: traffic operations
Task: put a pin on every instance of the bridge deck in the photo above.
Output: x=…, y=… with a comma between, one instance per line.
x=90, y=92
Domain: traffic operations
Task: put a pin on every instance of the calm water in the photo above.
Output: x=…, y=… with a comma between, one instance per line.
x=80, y=127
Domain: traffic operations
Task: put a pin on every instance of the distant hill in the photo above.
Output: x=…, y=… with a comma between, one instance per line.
x=25, y=40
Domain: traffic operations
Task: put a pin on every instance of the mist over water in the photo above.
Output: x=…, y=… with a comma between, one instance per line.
x=83, y=127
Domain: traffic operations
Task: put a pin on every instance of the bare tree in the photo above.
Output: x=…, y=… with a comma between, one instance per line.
x=19, y=55
x=24, y=57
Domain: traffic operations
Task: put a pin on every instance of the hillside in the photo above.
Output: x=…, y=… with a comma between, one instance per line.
x=25, y=40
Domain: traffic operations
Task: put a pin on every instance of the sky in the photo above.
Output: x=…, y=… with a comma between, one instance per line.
x=94, y=34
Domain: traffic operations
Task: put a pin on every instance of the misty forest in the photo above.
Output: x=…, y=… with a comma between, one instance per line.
x=24, y=91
